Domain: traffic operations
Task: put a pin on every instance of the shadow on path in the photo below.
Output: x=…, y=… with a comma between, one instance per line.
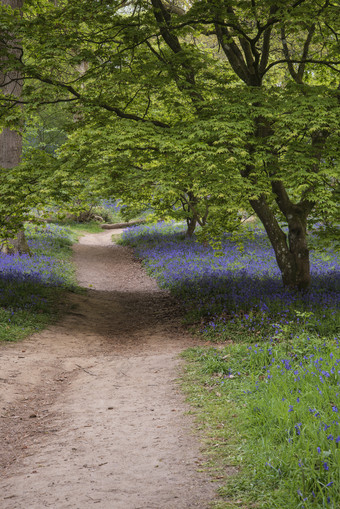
x=91, y=412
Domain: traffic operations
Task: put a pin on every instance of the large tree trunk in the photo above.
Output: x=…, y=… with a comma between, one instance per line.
x=11, y=84
x=291, y=251
x=11, y=140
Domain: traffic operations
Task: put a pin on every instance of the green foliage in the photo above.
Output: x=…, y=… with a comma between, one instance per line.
x=233, y=103
x=45, y=129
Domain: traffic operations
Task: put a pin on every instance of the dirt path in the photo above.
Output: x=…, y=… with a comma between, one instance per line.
x=90, y=412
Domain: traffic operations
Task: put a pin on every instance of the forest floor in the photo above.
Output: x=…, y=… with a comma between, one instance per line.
x=91, y=414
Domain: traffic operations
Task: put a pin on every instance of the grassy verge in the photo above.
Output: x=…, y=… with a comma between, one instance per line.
x=271, y=410
x=31, y=286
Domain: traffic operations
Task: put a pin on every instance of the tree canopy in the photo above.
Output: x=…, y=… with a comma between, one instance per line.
x=223, y=106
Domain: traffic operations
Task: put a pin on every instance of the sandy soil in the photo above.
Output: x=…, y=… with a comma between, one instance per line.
x=91, y=414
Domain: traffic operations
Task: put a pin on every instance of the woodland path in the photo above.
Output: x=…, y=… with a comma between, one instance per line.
x=91, y=414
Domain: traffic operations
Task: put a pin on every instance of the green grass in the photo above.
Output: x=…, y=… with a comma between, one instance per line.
x=20, y=324
x=265, y=410
x=80, y=229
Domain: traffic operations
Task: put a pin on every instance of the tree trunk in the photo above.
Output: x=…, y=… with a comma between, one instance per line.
x=191, y=225
x=297, y=240
x=11, y=140
x=10, y=148
x=16, y=245
x=291, y=252
x=10, y=83
x=194, y=217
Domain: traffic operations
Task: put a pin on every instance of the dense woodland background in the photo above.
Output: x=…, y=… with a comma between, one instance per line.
x=207, y=111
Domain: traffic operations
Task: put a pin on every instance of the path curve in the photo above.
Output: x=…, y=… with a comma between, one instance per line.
x=91, y=414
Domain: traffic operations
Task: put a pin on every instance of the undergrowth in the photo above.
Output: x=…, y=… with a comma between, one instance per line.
x=271, y=410
x=31, y=285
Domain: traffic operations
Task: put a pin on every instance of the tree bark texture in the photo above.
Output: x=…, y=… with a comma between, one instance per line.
x=10, y=139
x=10, y=83
x=291, y=251
x=191, y=226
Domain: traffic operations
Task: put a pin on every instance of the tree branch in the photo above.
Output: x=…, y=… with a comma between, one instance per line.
x=97, y=102
x=266, y=41
x=307, y=61
x=158, y=55
x=163, y=19
x=15, y=101
x=301, y=68
x=287, y=55
x=174, y=8
x=233, y=53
